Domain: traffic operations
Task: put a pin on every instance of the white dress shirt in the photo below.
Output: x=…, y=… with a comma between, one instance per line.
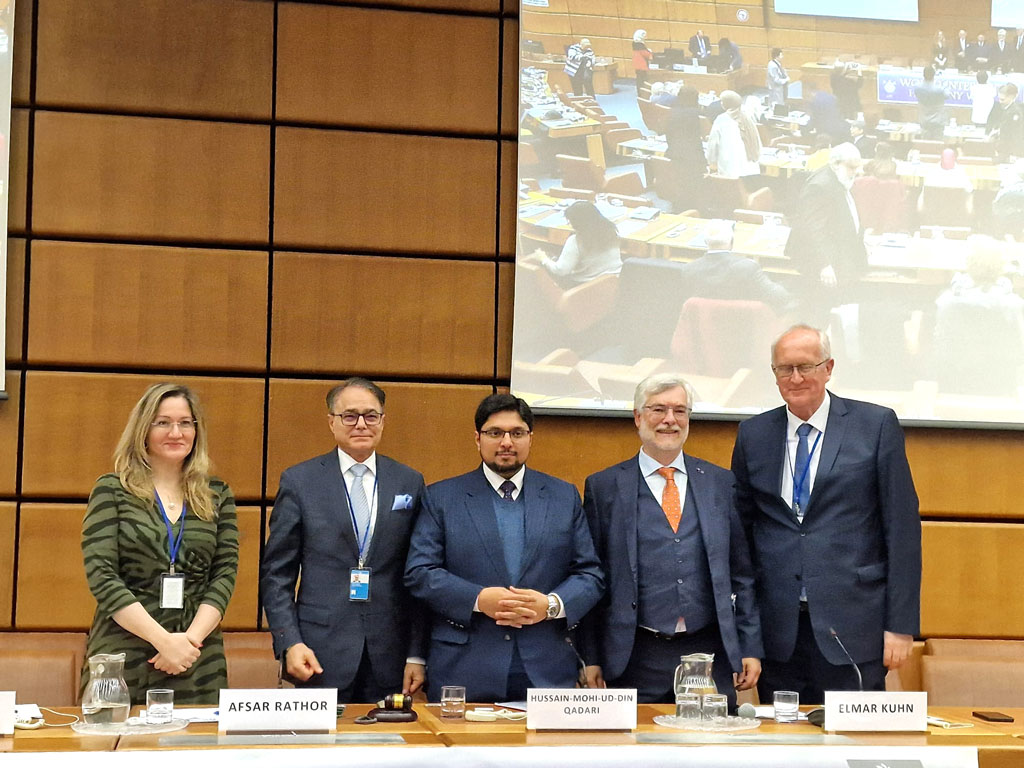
x=817, y=421
x=649, y=469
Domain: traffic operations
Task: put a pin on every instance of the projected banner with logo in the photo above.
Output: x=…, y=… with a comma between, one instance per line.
x=897, y=86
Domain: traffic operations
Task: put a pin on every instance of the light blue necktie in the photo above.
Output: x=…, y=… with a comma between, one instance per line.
x=360, y=506
x=801, y=472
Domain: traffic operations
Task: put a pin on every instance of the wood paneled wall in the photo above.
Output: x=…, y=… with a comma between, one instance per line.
x=178, y=211
x=754, y=26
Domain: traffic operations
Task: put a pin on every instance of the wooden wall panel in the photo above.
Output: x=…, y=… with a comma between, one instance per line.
x=8, y=519
x=643, y=9
x=17, y=205
x=15, y=314
x=243, y=610
x=387, y=69
x=97, y=405
x=594, y=7
x=574, y=447
x=510, y=78
x=693, y=12
x=969, y=577
x=397, y=316
x=9, y=421
x=428, y=426
x=967, y=473
x=22, y=63
x=199, y=57
x=51, y=564
x=52, y=590
x=508, y=195
x=482, y=6
x=549, y=23
x=125, y=305
x=150, y=178
x=506, y=301
x=349, y=190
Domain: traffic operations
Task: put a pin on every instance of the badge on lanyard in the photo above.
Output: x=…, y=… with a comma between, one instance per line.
x=359, y=584
x=359, y=578
x=172, y=585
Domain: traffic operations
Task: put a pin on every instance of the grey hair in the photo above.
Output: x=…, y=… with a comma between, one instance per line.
x=844, y=153
x=823, y=342
x=718, y=234
x=662, y=382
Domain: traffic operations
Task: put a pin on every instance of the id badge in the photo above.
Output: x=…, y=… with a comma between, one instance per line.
x=172, y=590
x=359, y=584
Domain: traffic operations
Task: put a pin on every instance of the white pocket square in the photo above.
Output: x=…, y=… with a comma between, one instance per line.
x=402, y=501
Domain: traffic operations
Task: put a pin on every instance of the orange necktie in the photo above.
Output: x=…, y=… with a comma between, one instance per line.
x=670, y=499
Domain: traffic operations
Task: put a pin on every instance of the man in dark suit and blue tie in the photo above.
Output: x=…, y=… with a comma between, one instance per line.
x=343, y=521
x=677, y=563
x=503, y=557
x=825, y=493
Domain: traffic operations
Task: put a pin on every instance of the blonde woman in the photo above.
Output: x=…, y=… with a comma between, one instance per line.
x=160, y=542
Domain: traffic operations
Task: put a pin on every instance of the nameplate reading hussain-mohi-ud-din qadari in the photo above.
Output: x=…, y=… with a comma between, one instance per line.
x=274, y=711
x=581, y=709
x=876, y=711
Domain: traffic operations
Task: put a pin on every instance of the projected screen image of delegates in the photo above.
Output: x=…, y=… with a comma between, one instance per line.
x=689, y=189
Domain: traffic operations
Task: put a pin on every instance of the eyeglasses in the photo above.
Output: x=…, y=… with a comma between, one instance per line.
x=164, y=425
x=351, y=418
x=499, y=434
x=805, y=369
x=661, y=411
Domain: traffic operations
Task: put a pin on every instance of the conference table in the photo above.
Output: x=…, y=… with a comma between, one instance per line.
x=606, y=70
x=894, y=259
x=451, y=743
x=703, y=81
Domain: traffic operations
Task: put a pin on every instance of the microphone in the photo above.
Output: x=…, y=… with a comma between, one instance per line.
x=860, y=680
x=746, y=710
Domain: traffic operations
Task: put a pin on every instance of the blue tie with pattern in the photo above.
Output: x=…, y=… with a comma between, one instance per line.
x=360, y=506
x=801, y=472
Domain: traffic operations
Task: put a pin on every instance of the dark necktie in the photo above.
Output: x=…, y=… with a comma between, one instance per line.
x=506, y=489
x=801, y=471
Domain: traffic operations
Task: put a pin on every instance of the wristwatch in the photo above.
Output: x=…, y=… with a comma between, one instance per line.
x=553, y=607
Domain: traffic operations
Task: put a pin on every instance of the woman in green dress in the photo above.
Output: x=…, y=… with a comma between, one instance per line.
x=160, y=542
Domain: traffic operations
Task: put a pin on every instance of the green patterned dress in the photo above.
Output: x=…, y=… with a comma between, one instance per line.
x=124, y=543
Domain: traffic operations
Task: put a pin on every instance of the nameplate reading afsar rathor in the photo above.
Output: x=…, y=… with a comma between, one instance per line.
x=274, y=710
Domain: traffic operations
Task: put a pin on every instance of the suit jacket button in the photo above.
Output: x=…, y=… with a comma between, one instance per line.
x=508, y=637
x=633, y=605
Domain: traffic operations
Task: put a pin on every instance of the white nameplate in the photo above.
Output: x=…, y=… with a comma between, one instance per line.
x=277, y=710
x=581, y=709
x=6, y=712
x=876, y=711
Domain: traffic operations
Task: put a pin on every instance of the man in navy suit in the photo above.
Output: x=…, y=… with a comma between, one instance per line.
x=343, y=521
x=678, y=566
x=824, y=490
x=503, y=557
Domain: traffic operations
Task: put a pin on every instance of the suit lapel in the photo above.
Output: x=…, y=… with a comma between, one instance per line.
x=703, y=498
x=480, y=510
x=536, y=513
x=629, y=495
x=337, y=501
x=383, y=524
x=831, y=441
x=775, y=456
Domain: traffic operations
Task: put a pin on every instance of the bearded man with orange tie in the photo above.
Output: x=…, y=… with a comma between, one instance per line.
x=678, y=565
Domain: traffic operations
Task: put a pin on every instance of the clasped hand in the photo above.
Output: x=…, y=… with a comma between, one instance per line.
x=513, y=607
x=177, y=654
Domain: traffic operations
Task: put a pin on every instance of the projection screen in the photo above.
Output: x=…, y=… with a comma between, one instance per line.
x=6, y=71
x=927, y=317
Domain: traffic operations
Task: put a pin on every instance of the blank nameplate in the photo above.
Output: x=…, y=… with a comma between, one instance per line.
x=876, y=711
x=7, y=712
x=279, y=739
x=278, y=711
x=581, y=709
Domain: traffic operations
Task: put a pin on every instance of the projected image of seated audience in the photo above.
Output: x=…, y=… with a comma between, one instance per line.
x=688, y=189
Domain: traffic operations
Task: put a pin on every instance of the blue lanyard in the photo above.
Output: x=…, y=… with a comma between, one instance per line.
x=798, y=485
x=361, y=540
x=173, y=545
